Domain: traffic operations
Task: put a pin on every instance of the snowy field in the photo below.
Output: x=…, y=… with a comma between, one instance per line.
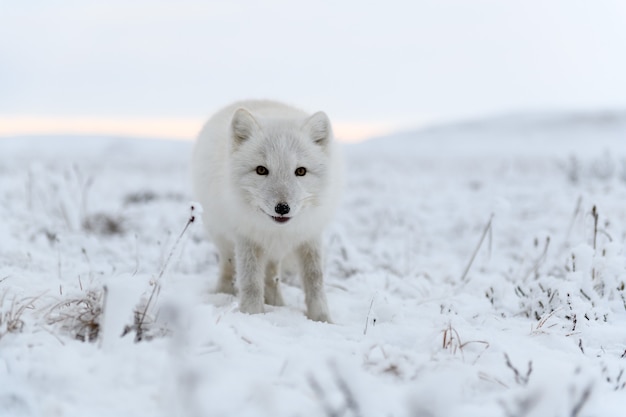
x=472, y=270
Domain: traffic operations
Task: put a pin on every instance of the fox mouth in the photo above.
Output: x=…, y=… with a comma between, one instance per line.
x=280, y=219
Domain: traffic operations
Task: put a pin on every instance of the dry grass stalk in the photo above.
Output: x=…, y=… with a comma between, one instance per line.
x=11, y=319
x=141, y=318
x=452, y=341
x=80, y=317
x=480, y=242
x=519, y=378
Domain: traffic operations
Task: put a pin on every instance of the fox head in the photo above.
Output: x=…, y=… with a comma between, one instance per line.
x=279, y=167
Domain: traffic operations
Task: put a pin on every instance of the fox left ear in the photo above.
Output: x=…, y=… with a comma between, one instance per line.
x=243, y=126
x=319, y=128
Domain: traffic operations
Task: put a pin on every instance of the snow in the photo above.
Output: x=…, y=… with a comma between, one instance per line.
x=535, y=327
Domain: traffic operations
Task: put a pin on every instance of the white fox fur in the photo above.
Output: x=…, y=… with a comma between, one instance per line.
x=260, y=205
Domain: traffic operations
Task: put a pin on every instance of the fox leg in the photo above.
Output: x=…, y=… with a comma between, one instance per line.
x=226, y=280
x=272, y=284
x=250, y=273
x=310, y=260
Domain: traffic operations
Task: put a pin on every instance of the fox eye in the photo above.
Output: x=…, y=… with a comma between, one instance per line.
x=300, y=172
x=261, y=170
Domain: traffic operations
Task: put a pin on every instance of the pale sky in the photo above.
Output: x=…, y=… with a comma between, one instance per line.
x=159, y=68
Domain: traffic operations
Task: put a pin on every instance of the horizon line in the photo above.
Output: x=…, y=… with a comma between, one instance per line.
x=177, y=128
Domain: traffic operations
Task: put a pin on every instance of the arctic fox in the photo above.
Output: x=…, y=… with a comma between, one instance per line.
x=268, y=178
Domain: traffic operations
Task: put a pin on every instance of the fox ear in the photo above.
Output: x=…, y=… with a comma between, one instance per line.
x=319, y=128
x=243, y=126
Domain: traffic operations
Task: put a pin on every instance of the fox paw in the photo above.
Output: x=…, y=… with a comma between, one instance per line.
x=251, y=306
x=319, y=313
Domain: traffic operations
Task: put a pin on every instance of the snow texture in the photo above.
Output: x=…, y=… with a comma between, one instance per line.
x=472, y=270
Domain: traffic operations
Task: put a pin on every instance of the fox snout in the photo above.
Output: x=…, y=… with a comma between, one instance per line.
x=282, y=208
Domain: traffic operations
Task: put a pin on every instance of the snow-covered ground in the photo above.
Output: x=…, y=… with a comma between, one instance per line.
x=468, y=274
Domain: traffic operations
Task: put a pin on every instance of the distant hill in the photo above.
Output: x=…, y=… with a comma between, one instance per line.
x=544, y=133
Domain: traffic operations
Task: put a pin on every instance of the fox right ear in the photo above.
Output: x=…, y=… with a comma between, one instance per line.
x=243, y=126
x=318, y=126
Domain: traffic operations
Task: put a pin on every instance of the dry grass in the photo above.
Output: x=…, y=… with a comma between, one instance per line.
x=344, y=404
x=80, y=317
x=453, y=343
x=11, y=314
x=486, y=231
x=104, y=224
x=520, y=378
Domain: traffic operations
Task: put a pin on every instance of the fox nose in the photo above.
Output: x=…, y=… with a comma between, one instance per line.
x=282, y=208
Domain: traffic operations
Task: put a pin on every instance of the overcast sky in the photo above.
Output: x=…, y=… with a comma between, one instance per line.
x=370, y=65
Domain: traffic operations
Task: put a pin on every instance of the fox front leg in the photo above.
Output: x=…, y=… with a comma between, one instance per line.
x=273, y=295
x=226, y=280
x=250, y=272
x=310, y=260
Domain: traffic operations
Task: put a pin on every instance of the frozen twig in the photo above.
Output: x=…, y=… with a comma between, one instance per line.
x=192, y=218
x=584, y=397
x=574, y=216
x=350, y=406
x=321, y=396
x=351, y=403
x=540, y=259
x=594, y=214
x=519, y=378
x=543, y=320
x=157, y=284
x=480, y=242
x=367, y=319
x=452, y=341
